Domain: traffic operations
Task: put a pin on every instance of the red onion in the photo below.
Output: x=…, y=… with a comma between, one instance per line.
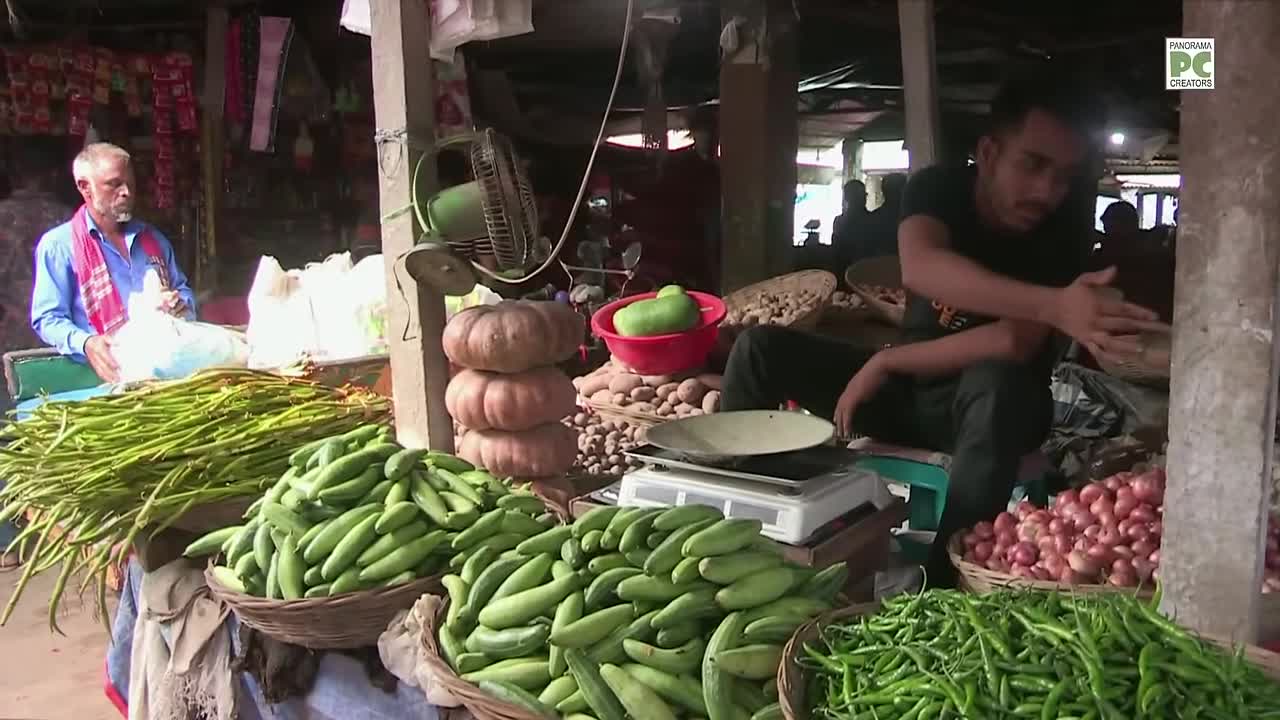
x=1114, y=483
x=1124, y=551
x=984, y=530
x=1040, y=517
x=995, y=563
x=1071, y=577
x=1154, y=557
x=1023, y=554
x=1042, y=574
x=1143, y=513
x=1125, y=504
x=1066, y=497
x=1023, y=509
x=1101, y=505
x=1061, y=544
x=1143, y=568
x=1101, y=554
x=1029, y=531
x=1004, y=522
x=1139, y=532
x=1006, y=539
x=1024, y=572
x=971, y=539
x=1109, y=537
x=982, y=551
x=1082, y=520
x=1082, y=563
x=1106, y=518
x=1093, y=531
x=1143, y=548
x=1053, y=563
x=1149, y=487
x=1090, y=493
x=1123, y=579
x=1157, y=527
x=1121, y=565
x=1056, y=526
x=1124, y=525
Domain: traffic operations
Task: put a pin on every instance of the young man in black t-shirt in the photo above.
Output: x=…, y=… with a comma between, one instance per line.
x=992, y=257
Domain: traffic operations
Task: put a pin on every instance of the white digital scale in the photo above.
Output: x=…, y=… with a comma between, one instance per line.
x=796, y=495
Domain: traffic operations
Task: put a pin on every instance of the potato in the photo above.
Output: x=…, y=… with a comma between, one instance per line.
x=610, y=448
x=624, y=383
x=612, y=436
x=620, y=398
x=665, y=409
x=656, y=380
x=683, y=409
x=711, y=401
x=666, y=389
x=602, y=396
x=588, y=386
x=691, y=391
x=644, y=407
x=580, y=419
x=696, y=412
x=711, y=380
x=643, y=393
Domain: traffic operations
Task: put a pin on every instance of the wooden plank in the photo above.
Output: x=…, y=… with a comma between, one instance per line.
x=920, y=82
x=404, y=105
x=1223, y=390
x=212, y=133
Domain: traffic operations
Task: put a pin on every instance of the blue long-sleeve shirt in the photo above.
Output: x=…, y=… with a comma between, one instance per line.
x=57, y=310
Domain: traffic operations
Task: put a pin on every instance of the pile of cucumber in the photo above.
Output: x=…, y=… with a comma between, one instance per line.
x=652, y=613
x=358, y=511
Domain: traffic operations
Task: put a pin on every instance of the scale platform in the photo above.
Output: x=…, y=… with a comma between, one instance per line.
x=795, y=495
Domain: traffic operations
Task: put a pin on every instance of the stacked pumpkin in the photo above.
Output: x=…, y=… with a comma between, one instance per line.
x=508, y=395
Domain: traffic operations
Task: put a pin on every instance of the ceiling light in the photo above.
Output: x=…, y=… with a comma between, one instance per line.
x=1117, y=138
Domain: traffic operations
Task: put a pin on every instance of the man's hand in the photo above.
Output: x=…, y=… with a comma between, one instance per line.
x=98, y=350
x=1103, y=324
x=864, y=384
x=172, y=303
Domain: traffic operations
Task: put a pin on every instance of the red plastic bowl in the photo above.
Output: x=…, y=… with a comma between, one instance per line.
x=662, y=354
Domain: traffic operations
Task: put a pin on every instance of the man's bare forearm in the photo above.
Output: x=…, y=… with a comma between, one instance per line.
x=1000, y=340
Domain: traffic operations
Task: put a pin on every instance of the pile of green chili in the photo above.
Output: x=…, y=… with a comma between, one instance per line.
x=1027, y=655
x=97, y=473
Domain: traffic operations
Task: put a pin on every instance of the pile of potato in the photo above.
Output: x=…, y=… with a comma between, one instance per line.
x=845, y=300
x=666, y=396
x=890, y=295
x=771, y=308
x=601, y=443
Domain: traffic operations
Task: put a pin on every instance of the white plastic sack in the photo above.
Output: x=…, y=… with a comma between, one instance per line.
x=455, y=22
x=154, y=345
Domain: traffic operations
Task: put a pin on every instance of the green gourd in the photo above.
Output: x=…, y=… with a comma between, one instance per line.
x=672, y=311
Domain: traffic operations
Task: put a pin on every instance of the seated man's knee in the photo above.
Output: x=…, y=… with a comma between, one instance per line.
x=1006, y=395
x=757, y=341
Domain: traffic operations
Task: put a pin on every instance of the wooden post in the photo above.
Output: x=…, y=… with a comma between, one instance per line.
x=212, y=131
x=919, y=82
x=404, y=106
x=759, y=137
x=1223, y=392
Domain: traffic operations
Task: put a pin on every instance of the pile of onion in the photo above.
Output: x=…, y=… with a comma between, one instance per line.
x=1105, y=532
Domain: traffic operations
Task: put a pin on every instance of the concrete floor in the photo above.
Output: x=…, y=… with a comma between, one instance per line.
x=46, y=676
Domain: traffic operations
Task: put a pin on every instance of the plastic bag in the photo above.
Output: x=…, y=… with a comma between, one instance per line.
x=154, y=345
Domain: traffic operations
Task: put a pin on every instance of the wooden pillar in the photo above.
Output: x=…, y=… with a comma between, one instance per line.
x=404, y=108
x=920, y=82
x=1222, y=396
x=212, y=133
x=759, y=139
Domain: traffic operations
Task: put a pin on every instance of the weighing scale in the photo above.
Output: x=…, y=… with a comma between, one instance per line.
x=797, y=495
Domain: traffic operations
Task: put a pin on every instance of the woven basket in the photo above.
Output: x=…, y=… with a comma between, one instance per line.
x=979, y=580
x=609, y=411
x=349, y=620
x=820, y=281
x=883, y=271
x=481, y=704
x=1150, y=367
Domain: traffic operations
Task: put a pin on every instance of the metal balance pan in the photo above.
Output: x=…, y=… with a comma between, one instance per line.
x=723, y=438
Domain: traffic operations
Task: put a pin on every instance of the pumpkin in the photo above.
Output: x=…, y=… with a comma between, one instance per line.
x=513, y=336
x=546, y=450
x=480, y=400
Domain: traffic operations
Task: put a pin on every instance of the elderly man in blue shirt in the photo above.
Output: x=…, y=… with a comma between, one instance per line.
x=86, y=269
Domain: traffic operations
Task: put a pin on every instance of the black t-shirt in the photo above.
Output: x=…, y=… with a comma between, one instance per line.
x=1052, y=254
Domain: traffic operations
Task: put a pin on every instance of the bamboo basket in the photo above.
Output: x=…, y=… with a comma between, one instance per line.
x=979, y=580
x=609, y=411
x=480, y=703
x=820, y=281
x=349, y=620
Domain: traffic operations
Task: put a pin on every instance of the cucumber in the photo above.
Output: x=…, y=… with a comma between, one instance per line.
x=510, y=643
x=592, y=628
x=460, y=505
x=640, y=702
x=655, y=539
x=514, y=521
x=610, y=649
x=427, y=498
x=402, y=558
x=518, y=696
x=471, y=662
x=598, y=565
x=247, y=566
x=682, y=690
x=596, y=518
x=460, y=487
x=637, y=558
x=667, y=554
x=378, y=495
x=774, y=629
x=605, y=585
x=490, y=579
x=350, y=490
x=559, y=689
x=324, y=542
x=349, y=467
x=727, y=569
x=531, y=574
x=362, y=434
x=683, y=515
x=578, y=716
x=349, y=548
x=756, y=589
x=792, y=605
x=316, y=591
x=450, y=646
x=403, y=578
x=477, y=562
x=392, y=540
x=527, y=673
x=560, y=568
x=827, y=583
x=312, y=577
x=315, y=530
x=566, y=613
x=721, y=538
x=395, y=517
x=686, y=571
x=293, y=500
x=717, y=687
x=547, y=541
x=522, y=607
x=227, y=578
x=751, y=662
x=452, y=463
x=486, y=526
x=399, y=464
x=457, y=617
x=591, y=541
x=618, y=525
x=575, y=704
x=398, y=492
x=298, y=458
x=772, y=711
x=652, y=589
x=348, y=581
x=211, y=543
x=272, y=589
x=679, y=634
x=571, y=552
x=593, y=688
x=747, y=695
x=499, y=543
x=291, y=570
x=284, y=519
x=676, y=661
x=634, y=537
x=479, y=478
x=242, y=541
x=330, y=450
x=530, y=505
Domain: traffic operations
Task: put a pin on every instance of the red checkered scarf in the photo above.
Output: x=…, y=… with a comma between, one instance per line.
x=101, y=300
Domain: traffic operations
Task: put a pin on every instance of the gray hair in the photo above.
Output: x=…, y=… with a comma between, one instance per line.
x=93, y=155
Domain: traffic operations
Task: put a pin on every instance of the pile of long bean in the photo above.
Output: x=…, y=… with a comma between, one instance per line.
x=99, y=472
x=1027, y=655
